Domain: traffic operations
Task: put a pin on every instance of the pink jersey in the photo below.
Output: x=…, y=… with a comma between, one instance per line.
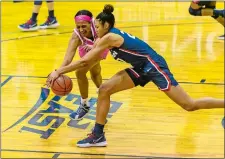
x=85, y=41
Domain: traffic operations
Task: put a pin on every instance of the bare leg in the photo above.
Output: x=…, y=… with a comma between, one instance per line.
x=82, y=82
x=50, y=6
x=179, y=96
x=96, y=74
x=119, y=82
x=36, y=8
x=83, y=87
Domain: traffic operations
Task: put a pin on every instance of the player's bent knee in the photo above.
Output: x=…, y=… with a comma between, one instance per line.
x=189, y=106
x=189, y=109
x=104, y=89
x=195, y=12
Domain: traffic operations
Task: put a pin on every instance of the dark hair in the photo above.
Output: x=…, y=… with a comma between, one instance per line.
x=107, y=16
x=84, y=12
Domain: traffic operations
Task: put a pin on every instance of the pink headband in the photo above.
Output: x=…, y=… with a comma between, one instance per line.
x=83, y=18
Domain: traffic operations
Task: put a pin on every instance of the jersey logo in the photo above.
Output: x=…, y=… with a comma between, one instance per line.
x=114, y=54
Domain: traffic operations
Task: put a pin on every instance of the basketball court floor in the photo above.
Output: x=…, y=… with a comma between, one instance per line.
x=142, y=122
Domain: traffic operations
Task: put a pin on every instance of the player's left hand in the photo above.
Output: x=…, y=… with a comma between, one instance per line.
x=51, y=78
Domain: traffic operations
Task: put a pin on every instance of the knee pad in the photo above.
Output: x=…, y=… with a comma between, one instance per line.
x=37, y=2
x=195, y=12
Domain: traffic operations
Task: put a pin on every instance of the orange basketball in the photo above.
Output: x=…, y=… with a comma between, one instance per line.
x=62, y=85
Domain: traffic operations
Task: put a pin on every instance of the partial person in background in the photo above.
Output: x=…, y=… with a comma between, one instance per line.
x=32, y=25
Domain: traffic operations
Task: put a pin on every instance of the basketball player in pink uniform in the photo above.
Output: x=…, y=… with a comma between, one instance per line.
x=83, y=38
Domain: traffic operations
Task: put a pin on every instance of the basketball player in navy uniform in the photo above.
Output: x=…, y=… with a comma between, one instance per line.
x=147, y=66
x=207, y=8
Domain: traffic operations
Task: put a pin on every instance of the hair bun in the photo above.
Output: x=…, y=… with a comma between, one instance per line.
x=108, y=9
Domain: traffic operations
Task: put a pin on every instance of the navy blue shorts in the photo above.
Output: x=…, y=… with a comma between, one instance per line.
x=155, y=71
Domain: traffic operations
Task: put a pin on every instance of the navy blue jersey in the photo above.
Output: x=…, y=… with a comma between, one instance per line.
x=133, y=50
x=147, y=64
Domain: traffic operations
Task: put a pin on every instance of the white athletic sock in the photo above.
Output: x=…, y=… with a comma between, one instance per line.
x=85, y=101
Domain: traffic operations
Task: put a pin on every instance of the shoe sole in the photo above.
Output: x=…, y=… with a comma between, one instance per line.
x=53, y=26
x=27, y=30
x=101, y=144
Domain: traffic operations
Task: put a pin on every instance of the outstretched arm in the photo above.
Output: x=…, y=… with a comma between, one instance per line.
x=106, y=42
x=71, y=49
x=88, y=60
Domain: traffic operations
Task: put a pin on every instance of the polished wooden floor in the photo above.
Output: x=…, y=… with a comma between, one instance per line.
x=143, y=122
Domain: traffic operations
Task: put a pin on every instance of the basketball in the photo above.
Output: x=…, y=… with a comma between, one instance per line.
x=62, y=85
